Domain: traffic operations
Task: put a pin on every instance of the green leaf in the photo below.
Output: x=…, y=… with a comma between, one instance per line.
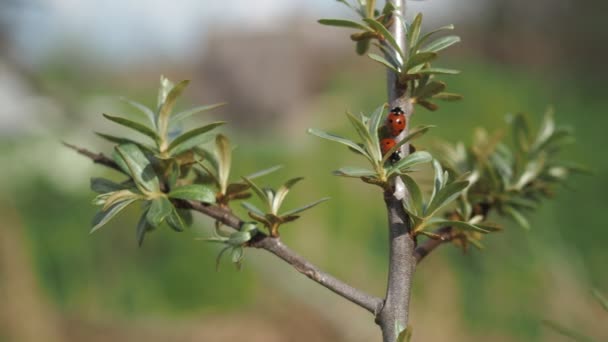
x=364, y=134
x=194, y=192
x=445, y=196
x=374, y=125
x=414, y=134
x=224, y=156
x=143, y=109
x=378, y=27
x=432, y=88
x=258, y=191
x=370, y=8
x=420, y=58
x=167, y=107
x=102, y=185
x=139, y=168
x=546, y=129
x=414, y=199
x=338, y=139
x=601, y=299
x=416, y=158
x=306, y=207
x=441, y=44
x=165, y=87
x=102, y=217
x=458, y=224
x=252, y=208
x=160, y=208
x=187, y=113
x=264, y=172
x=133, y=125
x=438, y=71
x=237, y=256
x=142, y=228
x=384, y=62
x=517, y=216
x=447, y=96
x=344, y=23
x=414, y=32
x=521, y=132
x=355, y=172
x=178, y=219
x=281, y=193
x=532, y=170
x=428, y=35
x=121, y=140
x=192, y=138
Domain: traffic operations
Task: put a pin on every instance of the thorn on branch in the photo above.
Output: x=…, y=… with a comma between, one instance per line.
x=97, y=158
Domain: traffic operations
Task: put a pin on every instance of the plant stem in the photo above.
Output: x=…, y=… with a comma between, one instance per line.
x=395, y=313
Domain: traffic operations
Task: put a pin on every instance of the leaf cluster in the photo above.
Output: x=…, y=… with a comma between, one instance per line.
x=368, y=146
x=176, y=166
x=412, y=63
x=512, y=179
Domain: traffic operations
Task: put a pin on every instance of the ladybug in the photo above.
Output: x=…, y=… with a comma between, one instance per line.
x=396, y=121
x=385, y=145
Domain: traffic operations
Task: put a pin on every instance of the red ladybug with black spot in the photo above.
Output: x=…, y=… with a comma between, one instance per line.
x=396, y=121
x=386, y=145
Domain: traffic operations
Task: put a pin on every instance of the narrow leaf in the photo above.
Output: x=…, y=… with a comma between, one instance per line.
x=384, y=62
x=446, y=195
x=447, y=96
x=517, y=216
x=415, y=195
x=252, y=208
x=264, y=172
x=438, y=71
x=102, y=217
x=441, y=44
x=378, y=27
x=416, y=158
x=344, y=23
x=281, y=193
x=187, y=113
x=420, y=58
x=194, y=192
x=354, y=172
x=306, y=207
x=338, y=139
x=428, y=35
x=133, y=125
x=432, y=88
x=142, y=228
x=192, y=138
x=601, y=299
x=364, y=134
x=414, y=32
x=143, y=109
x=139, y=167
x=102, y=185
x=160, y=208
x=167, y=107
x=224, y=156
x=258, y=191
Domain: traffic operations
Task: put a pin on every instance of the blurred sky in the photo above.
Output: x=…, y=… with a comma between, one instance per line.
x=132, y=31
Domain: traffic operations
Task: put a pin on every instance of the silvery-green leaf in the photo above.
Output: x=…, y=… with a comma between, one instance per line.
x=383, y=61
x=416, y=158
x=281, y=193
x=142, y=228
x=306, y=207
x=414, y=199
x=264, y=172
x=441, y=44
x=132, y=125
x=192, y=138
x=160, y=208
x=102, y=217
x=139, y=167
x=167, y=107
x=378, y=27
x=148, y=113
x=338, y=139
x=416, y=133
x=446, y=195
x=354, y=172
x=102, y=185
x=189, y=112
x=224, y=157
x=344, y=23
x=194, y=192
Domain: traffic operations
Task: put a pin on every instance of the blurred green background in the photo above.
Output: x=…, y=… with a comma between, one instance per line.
x=64, y=63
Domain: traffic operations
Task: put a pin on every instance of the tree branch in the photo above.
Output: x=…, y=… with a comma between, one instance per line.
x=97, y=158
x=429, y=245
x=395, y=312
x=263, y=241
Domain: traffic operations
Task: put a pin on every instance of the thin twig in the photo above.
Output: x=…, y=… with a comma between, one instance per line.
x=263, y=241
x=97, y=158
x=429, y=245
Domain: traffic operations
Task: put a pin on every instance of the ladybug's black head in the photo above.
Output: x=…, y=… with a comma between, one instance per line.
x=397, y=110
